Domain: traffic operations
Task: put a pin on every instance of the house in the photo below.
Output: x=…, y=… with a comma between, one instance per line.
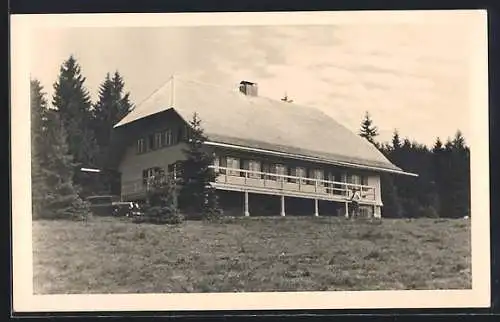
x=290, y=155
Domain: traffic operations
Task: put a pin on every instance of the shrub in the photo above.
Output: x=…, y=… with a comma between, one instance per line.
x=161, y=206
x=64, y=203
x=211, y=210
x=428, y=212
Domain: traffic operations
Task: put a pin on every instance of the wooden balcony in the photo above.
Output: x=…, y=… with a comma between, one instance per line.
x=291, y=186
x=231, y=179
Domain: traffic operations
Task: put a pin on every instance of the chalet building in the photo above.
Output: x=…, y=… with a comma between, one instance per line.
x=272, y=152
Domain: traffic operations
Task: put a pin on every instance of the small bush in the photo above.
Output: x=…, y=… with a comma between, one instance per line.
x=211, y=210
x=64, y=205
x=161, y=207
x=162, y=214
x=428, y=212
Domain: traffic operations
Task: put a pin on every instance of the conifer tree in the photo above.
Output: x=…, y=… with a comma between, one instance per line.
x=64, y=200
x=72, y=102
x=368, y=130
x=439, y=171
x=197, y=194
x=111, y=107
x=396, y=140
x=459, y=178
x=39, y=187
x=54, y=194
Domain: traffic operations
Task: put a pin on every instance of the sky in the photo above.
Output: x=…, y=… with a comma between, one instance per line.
x=410, y=77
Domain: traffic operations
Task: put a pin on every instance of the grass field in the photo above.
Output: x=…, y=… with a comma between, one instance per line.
x=109, y=255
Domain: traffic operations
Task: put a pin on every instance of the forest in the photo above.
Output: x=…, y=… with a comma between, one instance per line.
x=72, y=132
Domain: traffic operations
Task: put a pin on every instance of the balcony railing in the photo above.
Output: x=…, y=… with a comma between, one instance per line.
x=274, y=181
x=265, y=181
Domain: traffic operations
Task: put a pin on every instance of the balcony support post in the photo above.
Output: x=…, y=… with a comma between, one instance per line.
x=316, y=208
x=347, y=209
x=282, y=206
x=246, y=211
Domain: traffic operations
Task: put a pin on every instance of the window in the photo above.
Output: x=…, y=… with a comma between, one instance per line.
x=148, y=174
x=357, y=179
x=168, y=137
x=252, y=165
x=281, y=170
x=318, y=175
x=329, y=177
x=233, y=163
x=298, y=172
x=140, y=146
x=301, y=172
x=158, y=141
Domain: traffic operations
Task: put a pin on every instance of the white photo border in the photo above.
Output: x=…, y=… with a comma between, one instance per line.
x=24, y=26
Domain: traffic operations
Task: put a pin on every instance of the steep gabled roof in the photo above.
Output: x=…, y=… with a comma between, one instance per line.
x=231, y=117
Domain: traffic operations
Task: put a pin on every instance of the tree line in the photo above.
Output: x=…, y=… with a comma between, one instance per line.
x=442, y=188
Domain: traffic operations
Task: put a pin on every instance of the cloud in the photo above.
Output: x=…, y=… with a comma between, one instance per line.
x=411, y=77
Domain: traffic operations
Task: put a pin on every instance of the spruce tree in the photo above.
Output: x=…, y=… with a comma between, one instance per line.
x=459, y=177
x=197, y=194
x=61, y=198
x=439, y=174
x=368, y=130
x=111, y=107
x=39, y=187
x=396, y=140
x=72, y=102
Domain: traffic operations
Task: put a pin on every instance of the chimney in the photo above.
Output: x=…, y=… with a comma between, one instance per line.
x=248, y=88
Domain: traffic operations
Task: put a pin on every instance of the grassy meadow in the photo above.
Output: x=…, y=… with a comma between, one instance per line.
x=114, y=255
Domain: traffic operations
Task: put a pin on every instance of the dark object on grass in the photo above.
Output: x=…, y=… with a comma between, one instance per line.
x=102, y=205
